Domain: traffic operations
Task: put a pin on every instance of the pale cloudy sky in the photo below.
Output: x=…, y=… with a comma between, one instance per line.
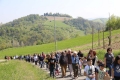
x=89, y=9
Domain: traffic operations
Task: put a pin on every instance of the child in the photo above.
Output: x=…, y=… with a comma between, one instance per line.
x=89, y=70
x=102, y=74
x=98, y=64
x=84, y=62
x=80, y=65
x=57, y=69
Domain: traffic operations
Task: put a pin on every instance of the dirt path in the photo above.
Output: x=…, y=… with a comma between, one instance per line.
x=67, y=75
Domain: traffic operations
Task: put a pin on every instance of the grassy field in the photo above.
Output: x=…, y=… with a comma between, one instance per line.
x=101, y=53
x=62, y=26
x=21, y=70
x=51, y=46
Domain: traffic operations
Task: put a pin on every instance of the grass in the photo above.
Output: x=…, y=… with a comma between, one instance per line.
x=20, y=70
x=70, y=43
x=63, y=26
x=101, y=53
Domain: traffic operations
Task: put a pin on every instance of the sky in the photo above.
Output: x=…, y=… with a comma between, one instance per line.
x=88, y=9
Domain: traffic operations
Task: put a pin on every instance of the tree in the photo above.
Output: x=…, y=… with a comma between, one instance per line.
x=113, y=23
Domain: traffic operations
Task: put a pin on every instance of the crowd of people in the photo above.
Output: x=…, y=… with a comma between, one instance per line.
x=94, y=69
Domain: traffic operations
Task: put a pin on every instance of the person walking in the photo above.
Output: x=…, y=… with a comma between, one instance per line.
x=89, y=70
x=75, y=64
x=52, y=64
x=109, y=59
x=116, y=68
x=35, y=59
x=80, y=54
x=92, y=55
x=101, y=74
x=69, y=55
x=40, y=57
x=63, y=63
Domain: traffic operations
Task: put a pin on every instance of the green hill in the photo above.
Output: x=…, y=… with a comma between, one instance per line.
x=84, y=25
x=34, y=30
x=70, y=43
x=101, y=20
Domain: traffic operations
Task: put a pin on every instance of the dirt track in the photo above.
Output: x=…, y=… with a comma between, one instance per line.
x=67, y=76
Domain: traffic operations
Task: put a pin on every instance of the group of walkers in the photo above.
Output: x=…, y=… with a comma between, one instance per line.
x=74, y=62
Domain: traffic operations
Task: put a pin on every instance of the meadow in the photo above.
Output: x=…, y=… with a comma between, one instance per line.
x=50, y=47
x=21, y=70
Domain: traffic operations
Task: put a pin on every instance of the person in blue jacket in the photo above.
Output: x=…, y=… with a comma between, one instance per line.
x=75, y=64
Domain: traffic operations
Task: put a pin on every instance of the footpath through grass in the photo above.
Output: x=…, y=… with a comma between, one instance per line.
x=21, y=70
x=51, y=46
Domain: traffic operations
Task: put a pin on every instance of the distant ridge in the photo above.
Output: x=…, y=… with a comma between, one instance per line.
x=100, y=20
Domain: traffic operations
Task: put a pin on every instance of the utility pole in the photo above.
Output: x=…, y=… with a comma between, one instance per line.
x=92, y=36
x=103, y=39
x=55, y=34
x=98, y=37
x=109, y=37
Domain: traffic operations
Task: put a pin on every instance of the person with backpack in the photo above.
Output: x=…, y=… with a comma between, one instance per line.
x=63, y=63
x=116, y=68
x=80, y=54
x=41, y=58
x=89, y=70
x=101, y=73
x=109, y=59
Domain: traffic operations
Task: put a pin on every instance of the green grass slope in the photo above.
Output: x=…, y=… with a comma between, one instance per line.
x=70, y=43
x=62, y=26
x=20, y=70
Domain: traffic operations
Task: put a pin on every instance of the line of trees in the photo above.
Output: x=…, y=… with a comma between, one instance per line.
x=57, y=14
x=84, y=25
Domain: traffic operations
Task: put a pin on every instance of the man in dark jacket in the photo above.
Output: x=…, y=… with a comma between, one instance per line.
x=80, y=54
x=70, y=61
x=63, y=63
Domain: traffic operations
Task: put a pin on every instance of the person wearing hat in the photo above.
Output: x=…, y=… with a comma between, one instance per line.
x=75, y=64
